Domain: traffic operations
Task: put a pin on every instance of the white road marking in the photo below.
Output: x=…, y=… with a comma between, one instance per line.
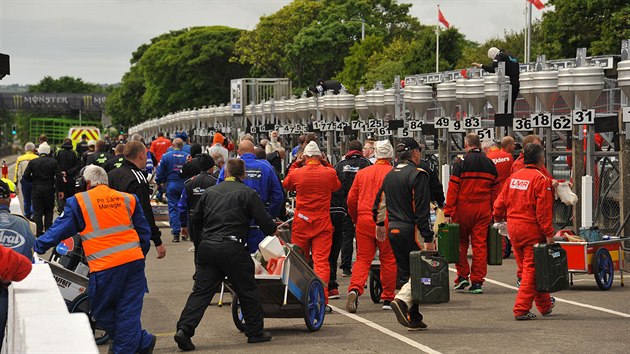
x=384, y=330
x=575, y=303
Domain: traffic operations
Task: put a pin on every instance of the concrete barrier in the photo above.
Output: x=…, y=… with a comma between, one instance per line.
x=39, y=321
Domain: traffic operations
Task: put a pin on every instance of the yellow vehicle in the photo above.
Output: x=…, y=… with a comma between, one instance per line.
x=75, y=133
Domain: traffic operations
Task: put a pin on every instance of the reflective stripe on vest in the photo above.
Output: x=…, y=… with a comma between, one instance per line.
x=109, y=238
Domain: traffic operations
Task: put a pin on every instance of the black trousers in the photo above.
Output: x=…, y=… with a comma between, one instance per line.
x=337, y=220
x=347, y=246
x=43, y=198
x=402, y=239
x=214, y=261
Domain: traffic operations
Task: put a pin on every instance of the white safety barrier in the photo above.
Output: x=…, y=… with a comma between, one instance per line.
x=446, y=175
x=587, y=201
x=39, y=321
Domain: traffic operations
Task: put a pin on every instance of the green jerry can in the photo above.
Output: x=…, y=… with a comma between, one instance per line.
x=429, y=277
x=495, y=246
x=552, y=269
x=448, y=241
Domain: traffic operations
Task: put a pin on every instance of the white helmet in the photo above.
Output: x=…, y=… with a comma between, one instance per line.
x=492, y=52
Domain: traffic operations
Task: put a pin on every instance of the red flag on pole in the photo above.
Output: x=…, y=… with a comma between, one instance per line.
x=538, y=3
x=442, y=19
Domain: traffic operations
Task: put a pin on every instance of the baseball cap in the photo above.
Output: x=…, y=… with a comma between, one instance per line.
x=206, y=162
x=182, y=136
x=92, y=143
x=7, y=188
x=407, y=144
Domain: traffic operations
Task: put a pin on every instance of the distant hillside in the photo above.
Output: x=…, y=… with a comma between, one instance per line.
x=14, y=88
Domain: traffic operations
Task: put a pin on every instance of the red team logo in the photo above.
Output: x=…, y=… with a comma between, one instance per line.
x=519, y=184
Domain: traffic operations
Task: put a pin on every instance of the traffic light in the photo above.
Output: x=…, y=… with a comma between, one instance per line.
x=13, y=129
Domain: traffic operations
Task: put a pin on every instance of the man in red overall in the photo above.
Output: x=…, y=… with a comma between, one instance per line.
x=366, y=185
x=472, y=189
x=525, y=202
x=518, y=165
x=312, y=228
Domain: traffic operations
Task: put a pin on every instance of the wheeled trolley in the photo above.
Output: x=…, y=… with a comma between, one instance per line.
x=295, y=293
x=600, y=258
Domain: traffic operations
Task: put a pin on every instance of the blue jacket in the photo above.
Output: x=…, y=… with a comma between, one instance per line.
x=185, y=148
x=71, y=222
x=262, y=177
x=170, y=165
x=15, y=233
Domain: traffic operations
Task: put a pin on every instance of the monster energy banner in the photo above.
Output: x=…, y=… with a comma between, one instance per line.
x=52, y=102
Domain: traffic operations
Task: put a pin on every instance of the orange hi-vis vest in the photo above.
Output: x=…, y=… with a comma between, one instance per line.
x=109, y=238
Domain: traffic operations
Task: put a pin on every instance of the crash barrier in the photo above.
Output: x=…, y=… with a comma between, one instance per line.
x=39, y=321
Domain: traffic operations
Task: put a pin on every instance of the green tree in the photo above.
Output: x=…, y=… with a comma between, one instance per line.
x=372, y=61
x=67, y=84
x=264, y=47
x=310, y=39
x=181, y=69
x=598, y=25
x=356, y=62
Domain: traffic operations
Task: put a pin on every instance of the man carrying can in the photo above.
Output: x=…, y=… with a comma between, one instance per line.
x=525, y=201
x=472, y=189
x=404, y=199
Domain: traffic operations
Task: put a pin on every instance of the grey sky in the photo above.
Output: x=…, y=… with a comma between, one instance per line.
x=94, y=39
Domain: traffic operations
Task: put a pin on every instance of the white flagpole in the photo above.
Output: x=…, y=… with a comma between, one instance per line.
x=529, y=33
x=525, y=34
x=437, y=42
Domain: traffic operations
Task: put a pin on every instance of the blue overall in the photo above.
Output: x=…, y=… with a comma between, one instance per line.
x=168, y=171
x=115, y=294
x=263, y=178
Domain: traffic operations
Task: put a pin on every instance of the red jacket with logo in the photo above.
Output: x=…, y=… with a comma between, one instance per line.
x=503, y=160
x=525, y=202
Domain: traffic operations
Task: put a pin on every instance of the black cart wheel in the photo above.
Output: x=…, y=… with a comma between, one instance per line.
x=80, y=304
x=603, y=269
x=315, y=306
x=237, y=314
x=375, y=285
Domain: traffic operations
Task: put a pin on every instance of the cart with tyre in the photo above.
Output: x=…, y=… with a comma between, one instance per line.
x=600, y=258
x=296, y=292
x=70, y=271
